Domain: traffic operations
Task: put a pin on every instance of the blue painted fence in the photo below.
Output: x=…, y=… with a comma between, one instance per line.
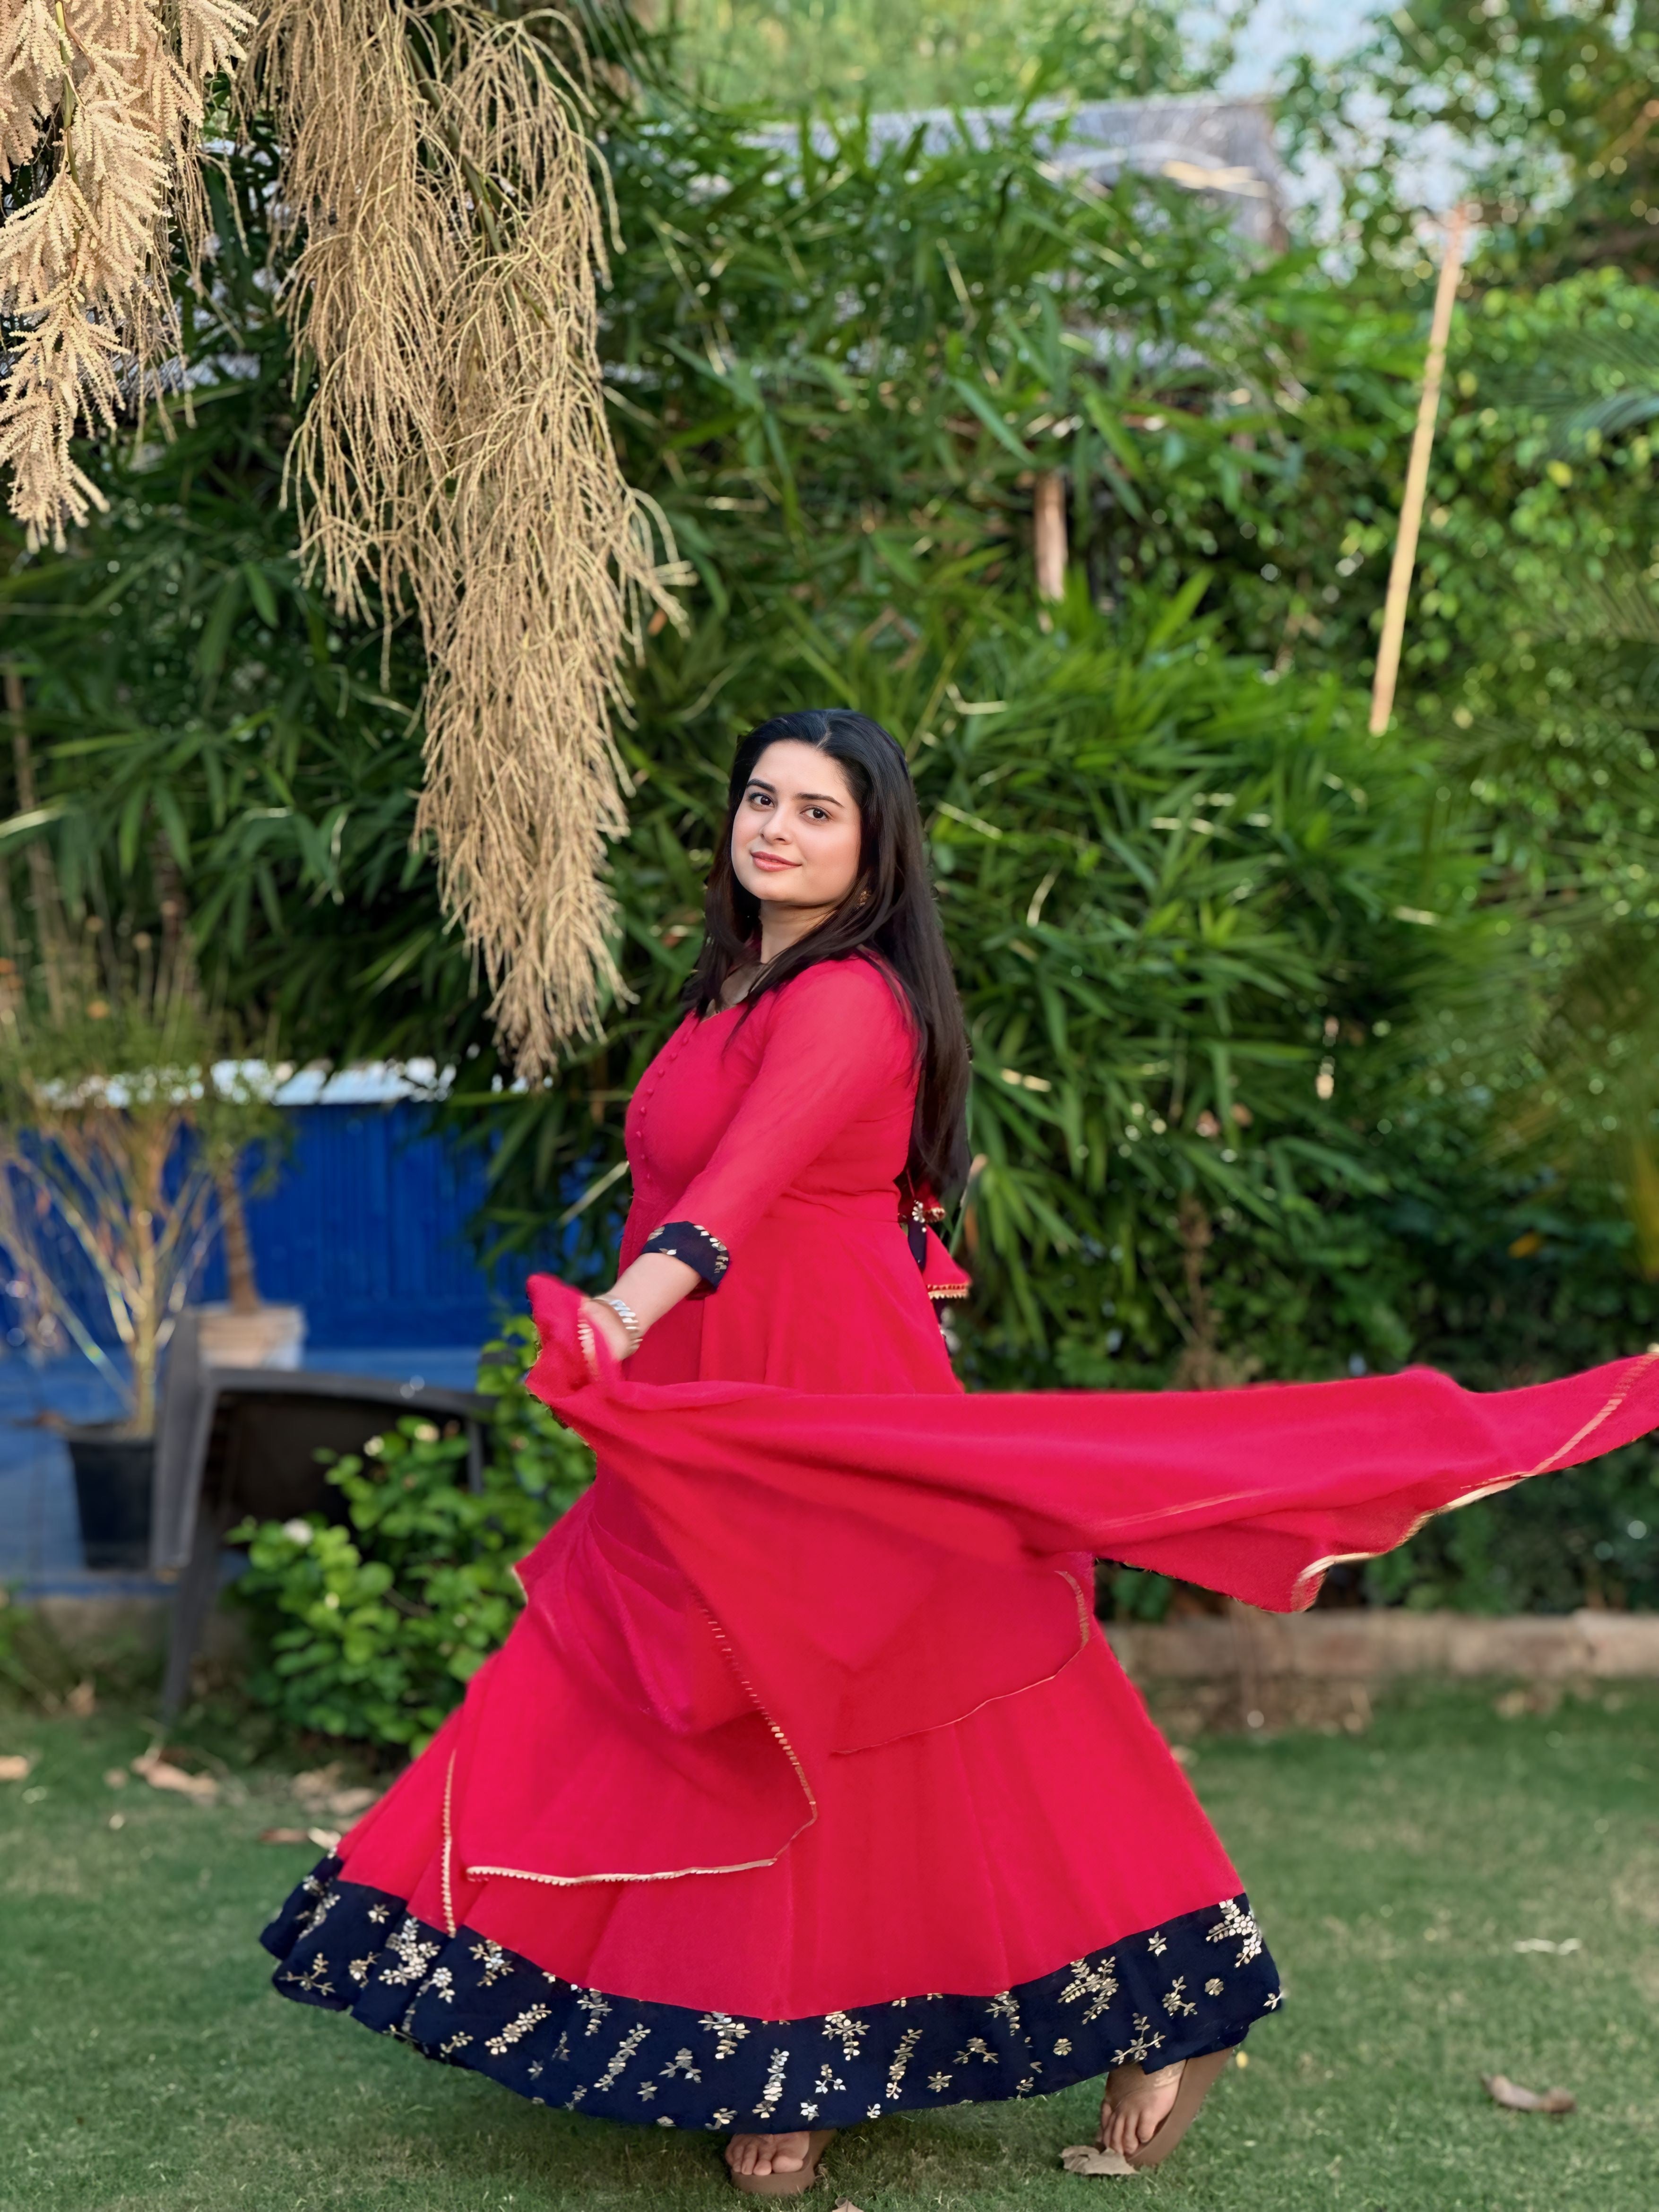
x=365, y=1226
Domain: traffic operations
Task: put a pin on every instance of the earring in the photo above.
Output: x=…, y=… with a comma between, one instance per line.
x=863, y=898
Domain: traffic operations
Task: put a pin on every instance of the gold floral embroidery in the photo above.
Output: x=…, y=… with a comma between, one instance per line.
x=1063, y=2048
x=724, y=2116
x=595, y=2007
x=682, y=2062
x=895, y=2072
x=314, y=1980
x=320, y=1912
x=1144, y=2044
x=1175, y=2001
x=1005, y=2005
x=1097, y=1983
x=496, y=1963
x=516, y=2029
x=416, y=1957
x=937, y=2082
x=728, y=2033
x=977, y=2048
x=775, y=2069
x=619, y=2058
x=1158, y=1943
x=1213, y=1989
x=847, y=2032
x=459, y=2041
x=1232, y=1924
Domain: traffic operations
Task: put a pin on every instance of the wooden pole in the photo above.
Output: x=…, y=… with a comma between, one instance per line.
x=1416, y=478
x=1048, y=511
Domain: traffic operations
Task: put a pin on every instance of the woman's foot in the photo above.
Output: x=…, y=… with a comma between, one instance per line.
x=768, y=2154
x=1135, y=2106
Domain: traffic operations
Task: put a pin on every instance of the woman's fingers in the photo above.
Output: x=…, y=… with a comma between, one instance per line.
x=602, y=1320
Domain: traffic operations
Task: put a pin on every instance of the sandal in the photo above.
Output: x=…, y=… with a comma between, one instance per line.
x=1196, y=2076
x=786, y=2185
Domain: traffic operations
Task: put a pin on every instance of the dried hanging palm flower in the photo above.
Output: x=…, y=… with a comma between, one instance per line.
x=101, y=104
x=442, y=193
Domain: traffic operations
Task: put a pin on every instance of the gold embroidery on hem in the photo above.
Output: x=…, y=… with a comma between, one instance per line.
x=1085, y=1621
x=449, y=1846
x=679, y=1873
x=668, y=1874
x=1488, y=1489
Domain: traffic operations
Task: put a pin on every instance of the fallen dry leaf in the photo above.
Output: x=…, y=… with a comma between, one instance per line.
x=326, y=1839
x=319, y=1790
x=316, y=1782
x=1513, y=2099
x=83, y=1700
x=115, y=1778
x=14, y=1766
x=162, y=1774
x=1543, y=1943
x=284, y=1836
x=1089, y=2158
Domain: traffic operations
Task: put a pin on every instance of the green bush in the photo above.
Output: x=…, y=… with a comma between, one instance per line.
x=370, y=1629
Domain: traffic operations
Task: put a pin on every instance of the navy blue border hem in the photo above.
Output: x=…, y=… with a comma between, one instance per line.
x=1192, y=1986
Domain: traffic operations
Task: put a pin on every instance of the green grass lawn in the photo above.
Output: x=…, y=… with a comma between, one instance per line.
x=148, y=2063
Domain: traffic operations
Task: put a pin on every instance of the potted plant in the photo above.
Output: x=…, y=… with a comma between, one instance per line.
x=115, y=1124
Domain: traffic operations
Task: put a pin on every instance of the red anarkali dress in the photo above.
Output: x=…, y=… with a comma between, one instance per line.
x=806, y=1787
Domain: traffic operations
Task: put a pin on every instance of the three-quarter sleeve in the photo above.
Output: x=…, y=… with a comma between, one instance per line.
x=838, y=1042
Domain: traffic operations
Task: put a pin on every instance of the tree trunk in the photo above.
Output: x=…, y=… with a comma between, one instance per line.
x=43, y=879
x=239, y=1246
x=147, y=1305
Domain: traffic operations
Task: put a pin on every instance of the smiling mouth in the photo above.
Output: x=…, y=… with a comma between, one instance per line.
x=771, y=860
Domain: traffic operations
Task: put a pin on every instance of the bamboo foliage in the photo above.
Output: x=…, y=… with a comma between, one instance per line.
x=101, y=104
x=450, y=239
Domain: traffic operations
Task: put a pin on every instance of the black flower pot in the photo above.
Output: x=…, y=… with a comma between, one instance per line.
x=114, y=1479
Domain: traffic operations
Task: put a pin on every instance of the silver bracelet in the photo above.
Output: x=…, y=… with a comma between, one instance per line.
x=629, y=1320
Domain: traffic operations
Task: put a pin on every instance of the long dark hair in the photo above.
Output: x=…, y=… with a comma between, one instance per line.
x=889, y=918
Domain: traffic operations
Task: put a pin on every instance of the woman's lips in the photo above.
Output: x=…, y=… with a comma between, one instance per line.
x=770, y=860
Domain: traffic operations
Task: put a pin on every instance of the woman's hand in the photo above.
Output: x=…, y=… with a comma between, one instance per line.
x=606, y=1323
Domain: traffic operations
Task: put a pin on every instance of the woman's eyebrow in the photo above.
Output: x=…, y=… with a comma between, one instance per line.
x=821, y=798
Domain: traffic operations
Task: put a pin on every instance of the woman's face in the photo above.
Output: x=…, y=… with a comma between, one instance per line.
x=796, y=835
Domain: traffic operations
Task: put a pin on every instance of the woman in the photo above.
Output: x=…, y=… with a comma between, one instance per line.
x=806, y=1789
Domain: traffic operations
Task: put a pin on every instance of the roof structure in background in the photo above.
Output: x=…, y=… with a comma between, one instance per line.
x=1223, y=147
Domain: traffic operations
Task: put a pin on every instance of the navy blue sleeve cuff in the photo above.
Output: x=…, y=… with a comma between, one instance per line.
x=697, y=1247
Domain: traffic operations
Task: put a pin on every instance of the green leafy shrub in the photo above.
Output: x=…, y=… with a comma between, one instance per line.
x=370, y=1629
